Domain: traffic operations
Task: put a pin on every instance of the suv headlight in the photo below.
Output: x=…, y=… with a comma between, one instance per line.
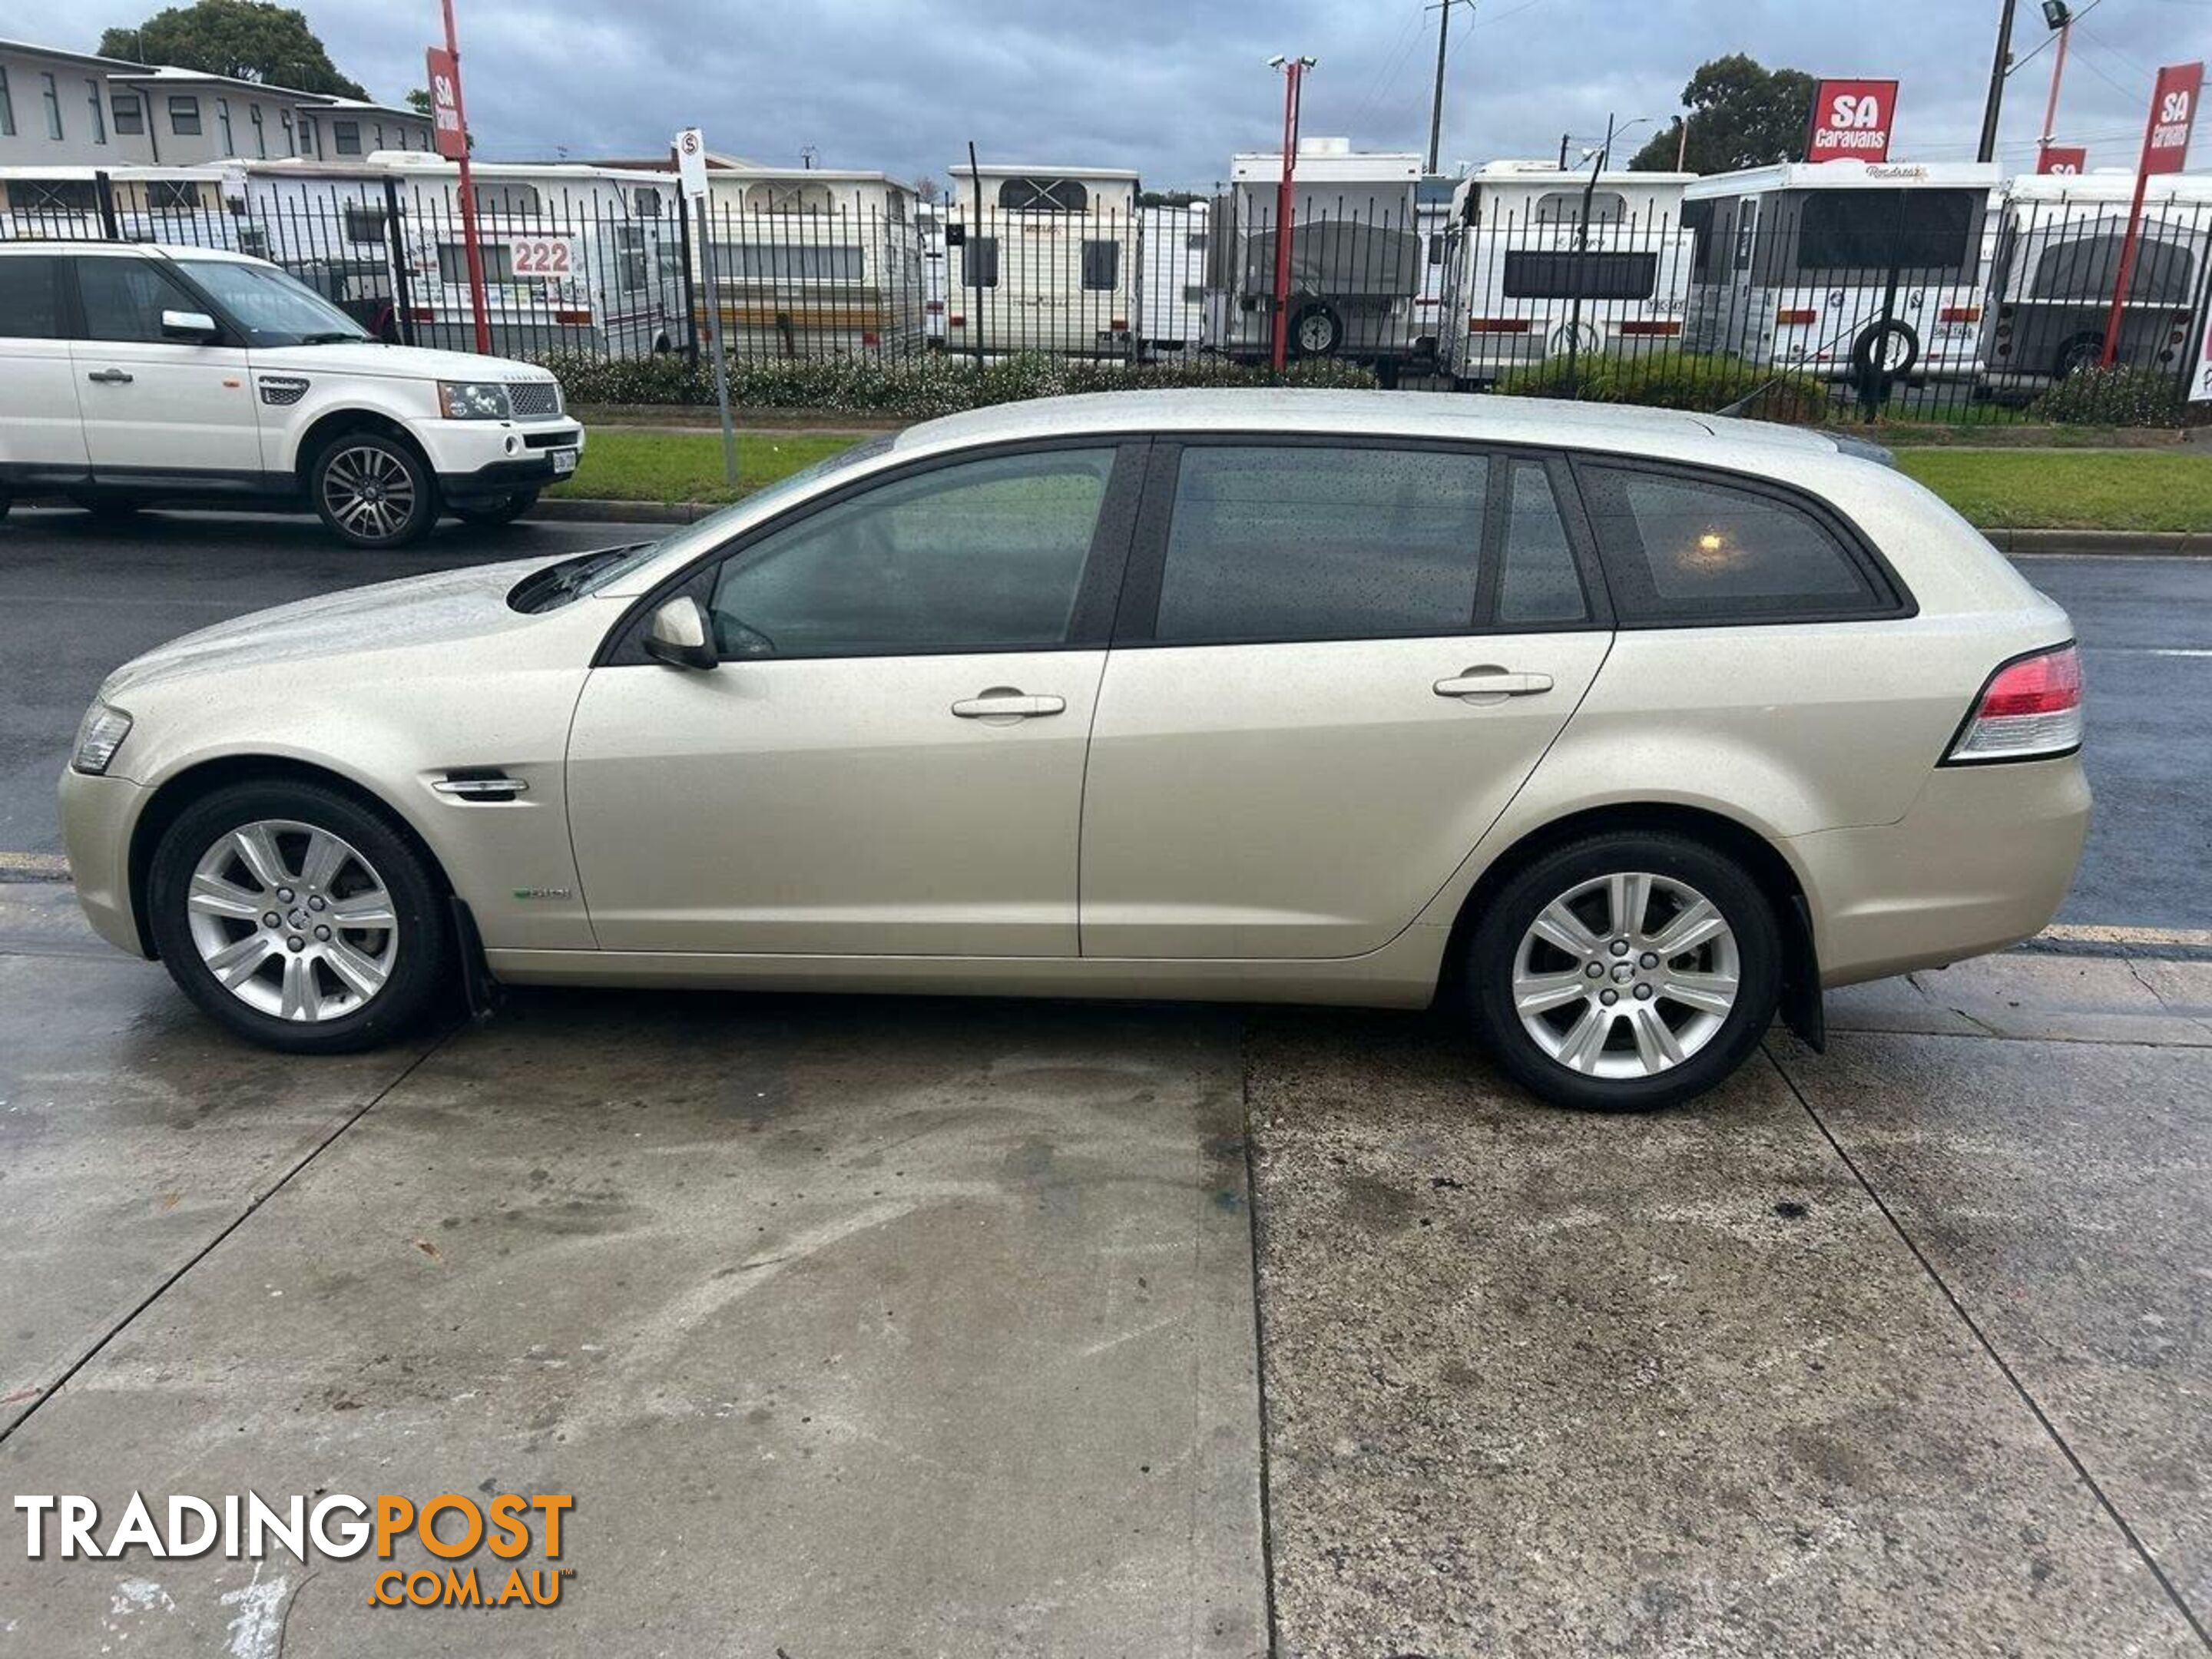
x=474, y=400
x=98, y=736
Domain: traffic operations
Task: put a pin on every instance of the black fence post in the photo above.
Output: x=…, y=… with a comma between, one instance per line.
x=395, y=239
x=690, y=297
x=106, y=188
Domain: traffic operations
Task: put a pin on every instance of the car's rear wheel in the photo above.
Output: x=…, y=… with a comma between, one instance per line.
x=299, y=918
x=504, y=510
x=1626, y=972
x=373, y=490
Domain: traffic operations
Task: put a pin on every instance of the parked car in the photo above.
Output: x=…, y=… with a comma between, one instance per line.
x=132, y=374
x=1620, y=729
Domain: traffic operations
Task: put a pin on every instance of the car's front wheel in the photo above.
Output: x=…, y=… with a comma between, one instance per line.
x=504, y=509
x=299, y=918
x=1626, y=972
x=373, y=490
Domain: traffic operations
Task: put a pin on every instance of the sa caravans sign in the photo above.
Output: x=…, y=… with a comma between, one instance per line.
x=444, y=80
x=1852, y=121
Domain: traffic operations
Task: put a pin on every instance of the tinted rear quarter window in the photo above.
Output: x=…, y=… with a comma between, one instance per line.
x=1689, y=550
x=1305, y=542
x=30, y=297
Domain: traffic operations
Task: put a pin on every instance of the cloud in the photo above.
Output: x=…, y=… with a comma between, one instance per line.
x=1172, y=88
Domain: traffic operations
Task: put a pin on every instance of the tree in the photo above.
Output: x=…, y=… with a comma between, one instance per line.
x=1741, y=115
x=419, y=100
x=247, y=40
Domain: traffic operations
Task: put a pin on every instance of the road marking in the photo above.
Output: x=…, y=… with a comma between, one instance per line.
x=2080, y=934
x=33, y=866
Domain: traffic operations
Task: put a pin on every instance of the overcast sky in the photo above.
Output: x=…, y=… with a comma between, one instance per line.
x=1172, y=87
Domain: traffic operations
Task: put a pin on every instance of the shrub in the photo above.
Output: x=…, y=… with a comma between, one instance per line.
x=937, y=383
x=2119, y=396
x=1678, y=380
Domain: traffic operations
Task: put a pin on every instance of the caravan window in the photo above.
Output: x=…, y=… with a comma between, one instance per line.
x=1698, y=220
x=1101, y=266
x=172, y=196
x=364, y=224
x=1565, y=207
x=506, y=198
x=2089, y=269
x=1870, y=229
x=776, y=263
x=646, y=203
x=632, y=268
x=54, y=196
x=453, y=262
x=1043, y=196
x=1571, y=275
x=787, y=198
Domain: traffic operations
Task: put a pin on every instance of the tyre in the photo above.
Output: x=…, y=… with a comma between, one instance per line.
x=373, y=490
x=2082, y=351
x=1886, y=351
x=299, y=918
x=1316, y=332
x=505, y=510
x=1626, y=972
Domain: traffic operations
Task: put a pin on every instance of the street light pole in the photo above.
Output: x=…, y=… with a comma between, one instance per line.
x=1443, y=10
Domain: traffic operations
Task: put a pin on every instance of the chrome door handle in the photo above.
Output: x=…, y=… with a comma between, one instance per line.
x=1005, y=703
x=108, y=377
x=1494, y=683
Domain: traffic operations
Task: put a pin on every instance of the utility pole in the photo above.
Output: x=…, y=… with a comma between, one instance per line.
x=1998, y=70
x=1294, y=71
x=1443, y=10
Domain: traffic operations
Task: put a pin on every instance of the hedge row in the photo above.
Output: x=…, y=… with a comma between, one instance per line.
x=1678, y=380
x=935, y=384
x=2119, y=396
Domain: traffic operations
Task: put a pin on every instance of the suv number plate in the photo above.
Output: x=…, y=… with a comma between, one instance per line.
x=564, y=462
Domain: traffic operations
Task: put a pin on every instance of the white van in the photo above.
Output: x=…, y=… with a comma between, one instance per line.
x=1174, y=242
x=1043, y=258
x=1542, y=260
x=1845, y=270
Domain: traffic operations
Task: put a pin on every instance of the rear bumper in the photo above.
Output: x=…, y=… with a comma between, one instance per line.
x=1983, y=860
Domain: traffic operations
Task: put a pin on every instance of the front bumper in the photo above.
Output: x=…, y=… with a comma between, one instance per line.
x=484, y=460
x=1983, y=860
x=98, y=816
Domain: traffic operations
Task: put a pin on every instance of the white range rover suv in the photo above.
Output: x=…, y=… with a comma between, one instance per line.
x=136, y=374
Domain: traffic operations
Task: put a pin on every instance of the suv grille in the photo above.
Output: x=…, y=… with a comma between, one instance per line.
x=530, y=399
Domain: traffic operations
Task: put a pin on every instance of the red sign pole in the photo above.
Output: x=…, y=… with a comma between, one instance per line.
x=468, y=192
x=2166, y=149
x=1294, y=71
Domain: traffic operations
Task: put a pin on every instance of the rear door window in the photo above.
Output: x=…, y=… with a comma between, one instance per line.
x=1686, y=548
x=30, y=297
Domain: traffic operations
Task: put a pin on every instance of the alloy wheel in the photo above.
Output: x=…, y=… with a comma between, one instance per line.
x=1626, y=976
x=369, y=491
x=292, y=921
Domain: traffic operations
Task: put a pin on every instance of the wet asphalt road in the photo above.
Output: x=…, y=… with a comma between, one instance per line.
x=77, y=597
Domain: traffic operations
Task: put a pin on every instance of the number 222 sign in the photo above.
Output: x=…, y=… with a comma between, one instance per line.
x=535, y=257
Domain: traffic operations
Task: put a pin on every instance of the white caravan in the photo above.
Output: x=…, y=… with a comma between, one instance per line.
x=1543, y=261
x=812, y=262
x=1043, y=258
x=1849, y=270
x=929, y=223
x=2057, y=265
x=1356, y=256
x=575, y=258
x=1174, y=243
x=196, y=206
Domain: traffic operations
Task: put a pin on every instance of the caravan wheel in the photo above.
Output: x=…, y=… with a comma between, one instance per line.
x=2082, y=351
x=1317, y=330
x=1886, y=351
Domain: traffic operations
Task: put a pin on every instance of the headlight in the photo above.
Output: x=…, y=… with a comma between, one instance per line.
x=474, y=400
x=98, y=738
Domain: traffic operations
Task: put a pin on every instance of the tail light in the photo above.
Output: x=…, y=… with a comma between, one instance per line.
x=1641, y=328
x=2031, y=709
x=573, y=318
x=1799, y=318
x=934, y=308
x=956, y=320
x=1118, y=324
x=1959, y=314
x=1500, y=325
x=869, y=336
x=422, y=314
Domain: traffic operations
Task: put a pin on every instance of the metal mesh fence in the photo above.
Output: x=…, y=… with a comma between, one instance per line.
x=1942, y=304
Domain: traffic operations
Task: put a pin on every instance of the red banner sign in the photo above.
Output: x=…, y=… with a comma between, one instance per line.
x=1851, y=121
x=2063, y=158
x=2172, y=112
x=445, y=104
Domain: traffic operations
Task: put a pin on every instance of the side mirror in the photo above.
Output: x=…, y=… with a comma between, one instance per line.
x=195, y=325
x=680, y=636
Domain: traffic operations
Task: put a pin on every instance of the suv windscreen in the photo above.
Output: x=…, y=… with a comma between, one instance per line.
x=271, y=307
